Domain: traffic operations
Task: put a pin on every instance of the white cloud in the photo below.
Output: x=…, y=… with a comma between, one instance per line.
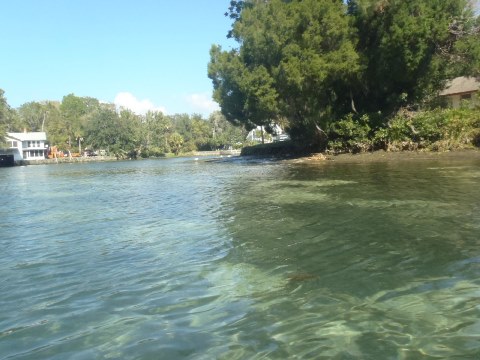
x=202, y=103
x=140, y=107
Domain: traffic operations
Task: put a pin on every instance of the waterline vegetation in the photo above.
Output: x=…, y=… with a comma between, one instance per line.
x=79, y=123
x=350, y=76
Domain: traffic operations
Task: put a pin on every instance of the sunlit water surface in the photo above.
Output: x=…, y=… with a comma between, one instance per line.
x=202, y=259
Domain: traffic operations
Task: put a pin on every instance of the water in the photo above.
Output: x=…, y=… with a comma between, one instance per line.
x=201, y=259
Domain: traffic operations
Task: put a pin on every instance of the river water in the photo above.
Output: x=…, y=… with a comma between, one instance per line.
x=241, y=259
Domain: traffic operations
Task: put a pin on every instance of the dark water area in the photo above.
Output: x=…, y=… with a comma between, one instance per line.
x=241, y=259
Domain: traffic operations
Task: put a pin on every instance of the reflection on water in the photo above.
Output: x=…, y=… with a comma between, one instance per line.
x=241, y=259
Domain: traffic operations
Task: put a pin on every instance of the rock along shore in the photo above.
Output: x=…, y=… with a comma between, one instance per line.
x=66, y=160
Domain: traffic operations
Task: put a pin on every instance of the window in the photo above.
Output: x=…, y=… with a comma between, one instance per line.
x=466, y=97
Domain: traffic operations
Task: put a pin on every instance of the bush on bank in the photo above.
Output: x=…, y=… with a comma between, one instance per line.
x=282, y=149
x=436, y=130
x=428, y=130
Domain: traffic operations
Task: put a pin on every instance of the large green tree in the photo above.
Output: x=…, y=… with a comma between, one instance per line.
x=294, y=64
x=307, y=63
x=33, y=116
x=118, y=133
x=54, y=124
x=409, y=48
x=76, y=112
x=8, y=117
x=156, y=128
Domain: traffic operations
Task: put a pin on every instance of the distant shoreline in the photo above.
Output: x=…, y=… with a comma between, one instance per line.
x=89, y=159
x=364, y=157
x=387, y=156
x=66, y=160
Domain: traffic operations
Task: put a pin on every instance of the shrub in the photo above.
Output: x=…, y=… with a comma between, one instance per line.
x=351, y=134
x=438, y=130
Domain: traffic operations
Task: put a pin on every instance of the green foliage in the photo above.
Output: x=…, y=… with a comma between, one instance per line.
x=117, y=133
x=8, y=118
x=438, y=130
x=76, y=112
x=224, y=135
x=124, y=134
x=154, y=130
x=309, y=63
x=276, y=149
x=466, y=50
x=54, y=124
x=176, y=142
x=352, y=133
x=3, y=116
x=294, y=63
x=32, y=115
x=408, y=48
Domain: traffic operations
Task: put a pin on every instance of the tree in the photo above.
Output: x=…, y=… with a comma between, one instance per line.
x=195, y=131
x=129, y=132
x=309, y=63
x=409, y=49
x=54, y=124
x=8, y=118
x=224, y=134
x=175, y=142
x=76, y=112
x=295, y=60
x=4, y=109
x=101, y=130
x=466, y=50
x=200, y=133
x=32, y=116
x=156, y=127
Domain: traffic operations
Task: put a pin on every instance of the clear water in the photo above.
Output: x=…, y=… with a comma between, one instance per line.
x=187, y=259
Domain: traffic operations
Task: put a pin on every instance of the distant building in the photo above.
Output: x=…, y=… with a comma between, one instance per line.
x=256, y=134
x=26, y=145
x=462, y=88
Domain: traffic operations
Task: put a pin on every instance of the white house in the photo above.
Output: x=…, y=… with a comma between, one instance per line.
x=27, y=145
x=279, y=134
x=461, y=88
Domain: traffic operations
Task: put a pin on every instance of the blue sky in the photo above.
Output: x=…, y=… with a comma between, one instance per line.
x=142, y=54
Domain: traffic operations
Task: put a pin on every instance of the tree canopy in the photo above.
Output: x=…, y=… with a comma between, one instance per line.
x=8, y=118
x=87, y=122
x=308, y=63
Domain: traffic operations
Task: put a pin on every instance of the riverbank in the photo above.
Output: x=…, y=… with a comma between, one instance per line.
x=66, y=160
x=75, y=160
x=296, y=152
x=386, y=156
x=290, y=155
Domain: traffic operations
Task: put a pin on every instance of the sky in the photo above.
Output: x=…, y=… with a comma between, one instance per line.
x=139, y=54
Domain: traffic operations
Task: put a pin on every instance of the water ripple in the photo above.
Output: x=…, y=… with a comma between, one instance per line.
x=240, y=259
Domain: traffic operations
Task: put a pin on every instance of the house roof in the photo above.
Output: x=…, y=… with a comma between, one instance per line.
x=28, y=136
x=461, y=85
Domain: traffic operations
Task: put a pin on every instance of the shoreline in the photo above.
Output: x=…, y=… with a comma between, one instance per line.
x=82, y=159
x=313, y=158
x=65, y=160
x=387, y=156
